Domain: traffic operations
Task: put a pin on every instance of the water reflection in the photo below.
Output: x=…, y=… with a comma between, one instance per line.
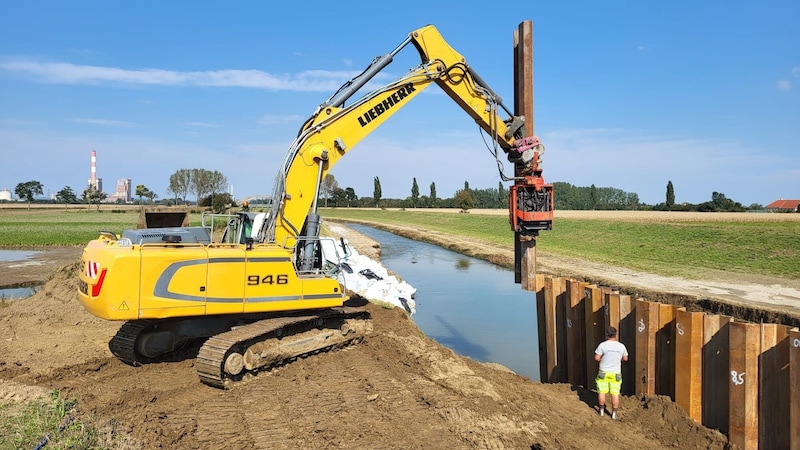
x=17, y=255
x=18, y=293
x=466, y=304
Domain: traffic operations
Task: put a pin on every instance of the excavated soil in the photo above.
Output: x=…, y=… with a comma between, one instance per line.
x=396, y=390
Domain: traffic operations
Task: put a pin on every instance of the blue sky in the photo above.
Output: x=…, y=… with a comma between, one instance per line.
x=628, y=94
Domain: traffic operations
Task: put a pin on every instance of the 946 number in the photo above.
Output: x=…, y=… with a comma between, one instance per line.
x=256, y=280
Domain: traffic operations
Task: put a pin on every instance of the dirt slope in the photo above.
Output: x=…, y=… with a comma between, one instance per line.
x=396, y=390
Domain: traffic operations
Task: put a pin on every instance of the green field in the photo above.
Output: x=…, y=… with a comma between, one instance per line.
x=662, y=243
x=49, y=227
x=676, y=247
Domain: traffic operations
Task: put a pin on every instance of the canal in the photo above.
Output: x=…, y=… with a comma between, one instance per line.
x=466, y=304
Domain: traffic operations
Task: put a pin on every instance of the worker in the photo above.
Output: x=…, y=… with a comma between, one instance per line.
x=245, y=206
x=610, y=354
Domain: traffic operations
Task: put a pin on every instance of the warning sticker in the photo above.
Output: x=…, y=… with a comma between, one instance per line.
x=123, y=306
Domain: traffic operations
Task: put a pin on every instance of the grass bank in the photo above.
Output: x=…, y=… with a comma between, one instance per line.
x=50, y=423
x=676, y=246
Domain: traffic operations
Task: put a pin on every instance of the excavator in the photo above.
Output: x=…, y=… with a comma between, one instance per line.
x=264, y=288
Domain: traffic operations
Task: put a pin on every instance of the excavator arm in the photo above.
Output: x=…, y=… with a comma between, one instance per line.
x=335, y=128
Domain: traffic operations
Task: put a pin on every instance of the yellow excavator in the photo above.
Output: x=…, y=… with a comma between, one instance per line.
x=269, y=289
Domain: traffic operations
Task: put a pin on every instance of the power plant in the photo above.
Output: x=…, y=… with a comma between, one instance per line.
x=123, y=187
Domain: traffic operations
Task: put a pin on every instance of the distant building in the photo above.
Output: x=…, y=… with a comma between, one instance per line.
x=5, y=194
x=123, y=192
x=784, y=206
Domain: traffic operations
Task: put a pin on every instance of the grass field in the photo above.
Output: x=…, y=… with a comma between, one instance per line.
x=674, y=244
x=664, y=243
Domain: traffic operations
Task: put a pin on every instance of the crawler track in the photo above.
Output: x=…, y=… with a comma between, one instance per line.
x=230, y=356
x=122, y=344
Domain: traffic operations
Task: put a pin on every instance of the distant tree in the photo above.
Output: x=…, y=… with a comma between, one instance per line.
x=756, y=207
x=720, y=203
x=220, y=202
x=464, y=200
x=466, y=185
x=632, y=200
x=142, y=191
x=339, y=197
x=200, y=183
x=217, y=184
x=350, y=196
x=580, y=198
x=670, y=195
x=376, y=193
x=414, y=193
x=179, y=184
x=485, y=198
x=502, y=195
x=327, y=186
x=592, y=197
x=28, y=190
x=433, y=201
x=151, y=196
x=91, y=195
x=66, y=196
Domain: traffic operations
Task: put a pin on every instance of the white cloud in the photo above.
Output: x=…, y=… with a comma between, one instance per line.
x=796, y=72
x=67, y=73
x=104, y=122
x=783, y=85
x=642, y=48
x=200, y=124
x=84, y=52
x=274, y=119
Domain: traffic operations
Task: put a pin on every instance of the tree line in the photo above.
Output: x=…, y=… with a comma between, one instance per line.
x=331, y=195
x=209, y=189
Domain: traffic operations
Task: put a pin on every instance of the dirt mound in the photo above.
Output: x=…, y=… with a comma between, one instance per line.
x=396, y=390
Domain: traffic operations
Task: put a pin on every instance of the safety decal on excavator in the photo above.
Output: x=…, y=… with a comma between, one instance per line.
x=91, y=269
x=123, y=306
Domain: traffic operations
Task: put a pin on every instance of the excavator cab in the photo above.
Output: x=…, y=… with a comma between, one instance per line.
x=241, y=228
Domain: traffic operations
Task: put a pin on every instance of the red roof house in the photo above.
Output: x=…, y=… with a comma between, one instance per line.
x=784, y=205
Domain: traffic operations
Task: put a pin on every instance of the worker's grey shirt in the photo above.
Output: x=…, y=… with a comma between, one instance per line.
x=611, y=354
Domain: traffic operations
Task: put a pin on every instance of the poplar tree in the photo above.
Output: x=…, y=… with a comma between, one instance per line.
x=670, y=195
x=414, y=193
x=376, y=194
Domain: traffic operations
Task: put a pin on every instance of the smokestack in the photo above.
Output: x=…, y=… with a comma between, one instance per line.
x=93, y=177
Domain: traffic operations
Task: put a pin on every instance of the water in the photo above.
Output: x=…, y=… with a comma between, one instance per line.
x=17, y=255
x=466, y=304
x=17, y=293
x=22, y=292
